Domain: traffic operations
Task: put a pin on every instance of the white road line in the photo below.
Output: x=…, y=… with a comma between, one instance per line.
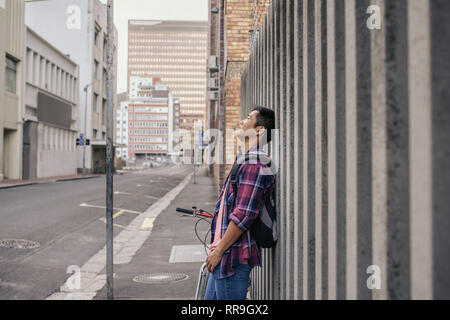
x=125, y=193
x=125, y=246
x=102, y=207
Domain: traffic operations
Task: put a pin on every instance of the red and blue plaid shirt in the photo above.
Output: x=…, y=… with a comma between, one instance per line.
x=254, y=183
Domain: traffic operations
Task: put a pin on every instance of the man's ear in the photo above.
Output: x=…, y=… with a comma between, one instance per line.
x=260, y=130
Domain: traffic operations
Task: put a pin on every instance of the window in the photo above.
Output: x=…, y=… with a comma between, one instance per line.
x=95, y=102
x=104, y=110
x=10, y=75
x=96, y=63
x=97, y=33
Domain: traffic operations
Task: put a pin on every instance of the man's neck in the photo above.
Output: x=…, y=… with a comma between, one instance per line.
x=248, y=146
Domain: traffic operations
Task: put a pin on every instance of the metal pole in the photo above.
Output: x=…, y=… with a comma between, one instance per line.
x=84, y=132
x=195, y=181
x=109, y=155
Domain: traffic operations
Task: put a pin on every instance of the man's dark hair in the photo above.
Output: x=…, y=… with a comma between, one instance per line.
x=265, y=118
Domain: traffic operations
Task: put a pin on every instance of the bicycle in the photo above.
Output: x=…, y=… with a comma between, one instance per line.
x=203, y=275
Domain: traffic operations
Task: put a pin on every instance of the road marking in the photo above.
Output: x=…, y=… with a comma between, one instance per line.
x=125, y=193
x=147, y=224
x=187, y=253
x=102, y=207
x=151, y=197
x=117, y=214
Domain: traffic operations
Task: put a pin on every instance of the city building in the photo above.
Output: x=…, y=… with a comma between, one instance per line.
x=122, y=130
x=78, y=28
x=232, y=29
x=12, y=30
x=174, y=51
x=50, y=125
x=147, y=122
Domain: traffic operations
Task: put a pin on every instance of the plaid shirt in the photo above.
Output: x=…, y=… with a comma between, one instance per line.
x=254, y=184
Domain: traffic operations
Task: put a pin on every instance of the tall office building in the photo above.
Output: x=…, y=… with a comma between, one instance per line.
x=176, y=52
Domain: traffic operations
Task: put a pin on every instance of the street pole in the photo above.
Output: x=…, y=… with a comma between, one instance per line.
x=109, y=155
x=84, y=132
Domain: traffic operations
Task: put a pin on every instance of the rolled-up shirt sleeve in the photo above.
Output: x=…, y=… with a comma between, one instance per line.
x=253, y=184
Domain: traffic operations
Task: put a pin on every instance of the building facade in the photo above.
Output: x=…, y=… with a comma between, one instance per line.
x=122, y=131
x=78, y=28
x=147, y=121
x=51, y=110
x=12, y=30
x=174, y=51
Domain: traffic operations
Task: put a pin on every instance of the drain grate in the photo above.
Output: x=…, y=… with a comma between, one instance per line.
x=160, y=278
x=19, y=244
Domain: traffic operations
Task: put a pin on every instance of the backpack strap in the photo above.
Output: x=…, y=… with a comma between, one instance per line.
x=237, y=165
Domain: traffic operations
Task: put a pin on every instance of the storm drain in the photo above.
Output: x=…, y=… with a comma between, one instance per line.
x=160, y=278
x=19, y=244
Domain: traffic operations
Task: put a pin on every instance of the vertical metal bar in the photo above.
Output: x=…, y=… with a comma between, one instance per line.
x=85, y=131
x=109, y=155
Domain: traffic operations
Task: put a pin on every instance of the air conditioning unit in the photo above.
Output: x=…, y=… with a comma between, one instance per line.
x=213, y=84
x=213, y=63
x=214, y=96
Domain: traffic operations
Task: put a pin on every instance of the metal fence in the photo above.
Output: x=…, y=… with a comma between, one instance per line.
x=360, y=89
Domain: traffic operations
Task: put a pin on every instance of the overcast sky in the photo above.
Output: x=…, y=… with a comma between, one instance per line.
x=124, y=10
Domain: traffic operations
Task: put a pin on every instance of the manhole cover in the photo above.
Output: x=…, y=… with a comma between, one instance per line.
x=19, y=244
x=160, y=277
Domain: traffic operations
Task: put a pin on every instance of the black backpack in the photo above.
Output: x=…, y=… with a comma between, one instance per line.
x=264, y=228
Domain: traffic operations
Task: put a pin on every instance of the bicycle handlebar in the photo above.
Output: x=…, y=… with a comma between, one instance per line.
x=194, y=213
x=185, y=211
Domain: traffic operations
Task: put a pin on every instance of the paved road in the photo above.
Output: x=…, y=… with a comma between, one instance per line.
x=65, y=218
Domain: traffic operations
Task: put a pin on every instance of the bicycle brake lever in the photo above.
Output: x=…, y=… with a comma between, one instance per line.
x=186, y=215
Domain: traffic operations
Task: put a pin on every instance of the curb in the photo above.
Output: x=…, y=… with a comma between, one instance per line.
x=9, y=186
x=77, y=178
x=18, y=185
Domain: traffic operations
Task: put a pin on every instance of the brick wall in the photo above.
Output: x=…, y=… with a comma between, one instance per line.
x=239, y=21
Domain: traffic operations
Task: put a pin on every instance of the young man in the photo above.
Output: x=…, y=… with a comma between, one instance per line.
x=233, y=251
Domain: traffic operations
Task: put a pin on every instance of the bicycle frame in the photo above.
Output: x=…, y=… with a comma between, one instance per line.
x=201, y=275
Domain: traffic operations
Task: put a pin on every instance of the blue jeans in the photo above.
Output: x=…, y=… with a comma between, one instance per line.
x=231, y=288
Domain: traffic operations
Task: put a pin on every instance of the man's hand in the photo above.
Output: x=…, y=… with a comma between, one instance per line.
x=232, y=234
x=213, y=260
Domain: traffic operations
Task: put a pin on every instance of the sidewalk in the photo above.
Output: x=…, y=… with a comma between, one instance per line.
x=169, y=248
x=20, y=183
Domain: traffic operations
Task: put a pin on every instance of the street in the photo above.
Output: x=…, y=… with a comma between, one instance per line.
x=66, y=220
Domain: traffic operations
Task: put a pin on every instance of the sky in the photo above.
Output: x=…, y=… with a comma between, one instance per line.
x=124, y=10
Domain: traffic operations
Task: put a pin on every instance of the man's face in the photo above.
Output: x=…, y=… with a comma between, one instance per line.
x=248, y=128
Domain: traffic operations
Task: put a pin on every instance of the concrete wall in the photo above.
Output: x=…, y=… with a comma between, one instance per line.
x=56, y=152
x=364, y=148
